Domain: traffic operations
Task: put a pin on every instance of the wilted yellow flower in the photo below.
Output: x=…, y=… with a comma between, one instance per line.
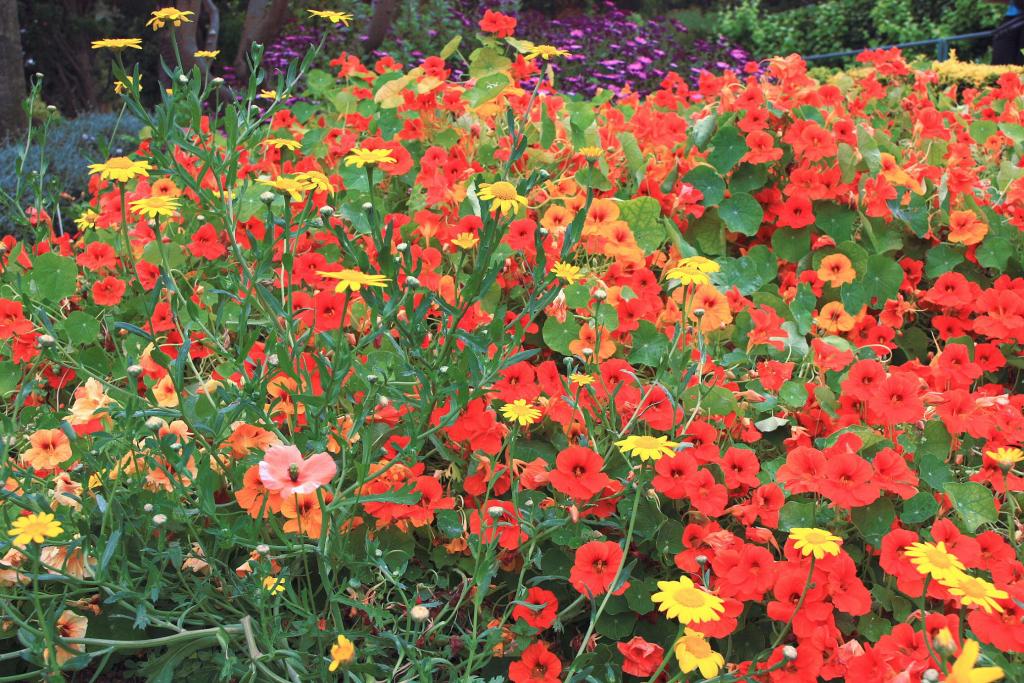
x=164, y=15
x=332, y=16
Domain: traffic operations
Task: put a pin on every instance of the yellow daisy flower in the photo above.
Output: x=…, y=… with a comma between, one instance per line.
x=315, y=180
x=566, y=271
x=87, y=219
x=172, y=15
x=963, y=670
x=289, y=186
x=687, y=602
x=976, y=592
x=1005, y=457
x=694, y=652
x=34, y=528
x=545, y=52
x=157, y=205
x=817, y=542
x=349, y=278
x=206, y=54
x=933, y=559
x=121, y=169
x=502, y=195
x=704, y=265
x=282, y=143
x=520, y=411
x=360, y=156
x=647, y=447
x=267, y=94
x=117, y=43
x=581, y=379
x=121, y=87
x=687, y=275
x=273, y=585
x=591, y=152
x=466, y=240
x=333, y=17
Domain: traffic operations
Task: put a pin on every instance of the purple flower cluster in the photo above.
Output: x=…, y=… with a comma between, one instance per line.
x=610, y=48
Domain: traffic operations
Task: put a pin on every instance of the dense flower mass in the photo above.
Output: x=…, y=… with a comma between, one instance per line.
x=438, y=377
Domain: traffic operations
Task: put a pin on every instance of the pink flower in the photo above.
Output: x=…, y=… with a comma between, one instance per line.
x=283, y=471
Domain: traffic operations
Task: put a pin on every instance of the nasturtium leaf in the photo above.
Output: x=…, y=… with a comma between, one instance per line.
x=592, y=177
x=643, y=214
x=741, y=213
x=943, y=258
x=53, y=277
x=485, y=61
x=649, y=345
x=796, y=514
x=709, y=182
x=486, y=89
x=558, y=335
x=874, y=521
x=708, y=233
x=748, y=177
x=791, y=245
x=319, y=81
x=450, y=47
x=713, y=400
x=727, y=148
x=10, y=377
x=749, y=272
x=793, y=394
x=81, y=328
x=879, y=282
x=873, y=627
x=835, y=221
x=973, y=502
x=920, y=508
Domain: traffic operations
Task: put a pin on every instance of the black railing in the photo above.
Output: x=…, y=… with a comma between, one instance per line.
x=941, y=46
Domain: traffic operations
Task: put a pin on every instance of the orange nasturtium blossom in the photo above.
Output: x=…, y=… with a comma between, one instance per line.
x=121, y=169
x=966, y=228
x=50, y=448
x=284, y=471
x=172, y=15
x=334, y=18
x=837, y=270
x=350, y=278
x=833, y=318
x=816, y=542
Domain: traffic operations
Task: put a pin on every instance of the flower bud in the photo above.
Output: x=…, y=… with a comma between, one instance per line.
x=412, y=281
x=266, y=197
x=134, y=370
x=217, y=82
x=154, y=423
x=159, y=519
x=600, y=294
x=419, y=613
x=789, y=652
x=263, y=549
x=46, y=341
x=182, y=78
x=326, y=211
x=495, y=511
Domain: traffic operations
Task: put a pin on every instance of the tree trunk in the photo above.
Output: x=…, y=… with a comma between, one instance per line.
x=384, y=13
x=12, y=72
x=263, y=21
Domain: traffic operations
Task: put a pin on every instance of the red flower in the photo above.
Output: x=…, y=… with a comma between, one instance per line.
x=206, y=243
x=537, y=665
x=848, y=480
x=501, y=25
x=640, y=658
x=12, y=319
x=497, y=519
x=596, y=565
x=108, y=291
x=542, y=616
x=578, y=473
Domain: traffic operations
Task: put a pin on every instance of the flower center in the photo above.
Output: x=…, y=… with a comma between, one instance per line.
x=503, y=190
x=689, y=597
x=293, y=472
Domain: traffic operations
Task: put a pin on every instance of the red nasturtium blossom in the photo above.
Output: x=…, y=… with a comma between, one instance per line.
x=537, y=664
x=541, y=617
x=639, y=657
x=595, y=568
x=578, y=473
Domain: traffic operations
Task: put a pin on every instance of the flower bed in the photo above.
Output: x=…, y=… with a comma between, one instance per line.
x=435, y=379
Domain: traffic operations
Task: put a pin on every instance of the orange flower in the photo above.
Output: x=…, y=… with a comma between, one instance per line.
x=709, y=306
x=164, y=393
x=834, y=319
x=304, y=513
x=50, y=448
x=247, y=437
x=837, y=270
x=966, y=228
x=69, y=625
x=254, y=497
x=585, y=345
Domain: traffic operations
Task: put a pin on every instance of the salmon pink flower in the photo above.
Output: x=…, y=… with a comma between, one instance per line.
x=283, y=471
